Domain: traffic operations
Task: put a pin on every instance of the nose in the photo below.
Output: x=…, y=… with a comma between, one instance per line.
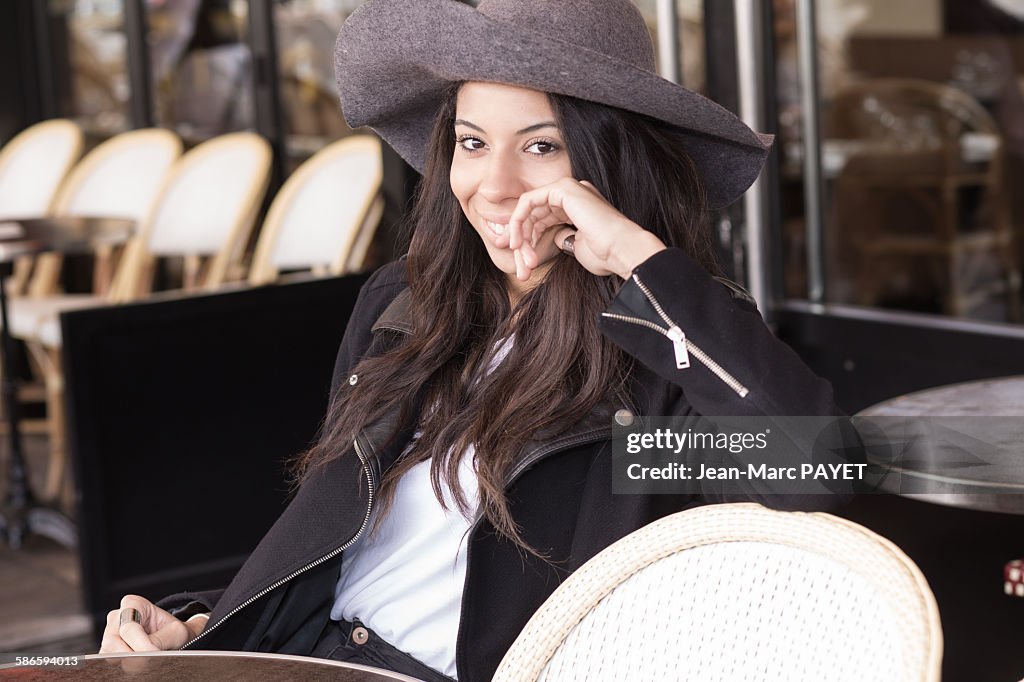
x=501, y=180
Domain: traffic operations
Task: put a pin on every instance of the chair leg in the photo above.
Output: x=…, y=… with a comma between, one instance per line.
x=58, y=473
x=48, y=360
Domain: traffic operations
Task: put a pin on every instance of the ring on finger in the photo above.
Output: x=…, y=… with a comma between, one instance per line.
x=130, y=615
x=569, y=244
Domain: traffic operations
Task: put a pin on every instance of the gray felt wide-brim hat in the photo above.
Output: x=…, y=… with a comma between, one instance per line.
x=395, y=58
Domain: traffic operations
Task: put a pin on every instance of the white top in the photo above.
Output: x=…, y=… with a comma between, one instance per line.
x=405, y=581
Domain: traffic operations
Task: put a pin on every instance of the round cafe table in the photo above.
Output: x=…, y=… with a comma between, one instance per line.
x=201, y=665
x=960, y=445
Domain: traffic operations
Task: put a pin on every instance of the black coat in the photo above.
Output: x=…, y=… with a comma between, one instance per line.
x=561, y=493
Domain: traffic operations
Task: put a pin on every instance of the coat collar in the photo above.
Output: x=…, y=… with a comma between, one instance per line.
x=397, y=315
x=595, y=426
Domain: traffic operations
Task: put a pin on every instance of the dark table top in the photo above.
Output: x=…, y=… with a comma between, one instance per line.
x=960, y=445
x=201, y=665
x=26, y=236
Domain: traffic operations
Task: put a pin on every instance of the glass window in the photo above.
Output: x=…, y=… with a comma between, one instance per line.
x=922, y=134
x=93, y=70
x=690, y=27
x=202, y=66
x=306, y=32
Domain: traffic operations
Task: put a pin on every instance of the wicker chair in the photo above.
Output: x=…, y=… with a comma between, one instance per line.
x=32, y=167
x=325, y=215
x=737, y=592
x=205, y=207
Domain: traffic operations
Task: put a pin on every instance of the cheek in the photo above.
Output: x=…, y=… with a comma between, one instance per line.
x=546, y=172
x=461, y=182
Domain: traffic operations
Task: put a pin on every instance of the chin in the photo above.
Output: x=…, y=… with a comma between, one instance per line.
x=504, y=260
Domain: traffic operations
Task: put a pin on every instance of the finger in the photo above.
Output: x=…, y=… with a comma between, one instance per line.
x=136, y=637
x=173, y=635
x=590, y=186
x=528, y=255
x=112, y=642
x=528, y=202
x=531, y=205
x=135, y=620
x=522, y=272
x=150, y=616
x=541, y=226
x=514, y=232
x=536, y=221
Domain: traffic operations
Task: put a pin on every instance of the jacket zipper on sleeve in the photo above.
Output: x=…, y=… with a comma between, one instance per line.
x=314, y=564
x=682, y=346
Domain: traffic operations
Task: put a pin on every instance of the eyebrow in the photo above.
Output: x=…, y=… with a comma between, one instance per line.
x=527, y=129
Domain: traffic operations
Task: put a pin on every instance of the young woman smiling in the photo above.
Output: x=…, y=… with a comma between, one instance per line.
x=560, y=274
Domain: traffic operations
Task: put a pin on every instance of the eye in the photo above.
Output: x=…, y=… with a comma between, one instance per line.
x=542, y=147
x=469, y=143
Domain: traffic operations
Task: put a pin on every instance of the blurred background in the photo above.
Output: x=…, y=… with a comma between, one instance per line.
x=884, y=243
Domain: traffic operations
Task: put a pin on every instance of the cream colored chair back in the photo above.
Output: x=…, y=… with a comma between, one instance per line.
x=206, y=209
x=33, y=165
x=737, y=592
x=121, y=177
x=325, y=214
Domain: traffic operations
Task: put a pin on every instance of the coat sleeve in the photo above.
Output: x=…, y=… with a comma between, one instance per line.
x=375, y=294
x=692, y=331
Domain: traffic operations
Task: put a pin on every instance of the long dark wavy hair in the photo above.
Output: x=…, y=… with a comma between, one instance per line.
x=460, y=309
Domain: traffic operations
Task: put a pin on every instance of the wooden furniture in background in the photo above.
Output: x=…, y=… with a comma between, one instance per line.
x=206, y=207
x=325, y=215
x=32, y=166
x=910, y=193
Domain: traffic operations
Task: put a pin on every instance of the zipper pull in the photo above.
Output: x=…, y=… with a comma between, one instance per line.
x=678, y=339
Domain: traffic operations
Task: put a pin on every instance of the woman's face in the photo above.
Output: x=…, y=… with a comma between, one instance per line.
x=507, y=143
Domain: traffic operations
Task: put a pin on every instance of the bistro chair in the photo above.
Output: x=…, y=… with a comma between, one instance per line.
x=205, y=208
x=325, y=215
x=119, y=178
x=927, y=188
x=737, y=592
x=32, y=166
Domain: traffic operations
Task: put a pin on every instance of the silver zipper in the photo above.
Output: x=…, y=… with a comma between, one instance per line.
x=520, y=468
x=331, y=555
x=680, y=344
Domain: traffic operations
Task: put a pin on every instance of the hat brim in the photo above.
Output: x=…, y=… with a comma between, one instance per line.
x=394, y=59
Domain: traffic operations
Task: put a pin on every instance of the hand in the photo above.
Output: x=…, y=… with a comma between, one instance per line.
x=157, y=630
x=603, y=240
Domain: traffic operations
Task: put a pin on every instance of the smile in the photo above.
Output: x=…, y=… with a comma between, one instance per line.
x=497, y=228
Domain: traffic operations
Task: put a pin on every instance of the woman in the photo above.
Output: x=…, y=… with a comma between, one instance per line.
x=560, y=250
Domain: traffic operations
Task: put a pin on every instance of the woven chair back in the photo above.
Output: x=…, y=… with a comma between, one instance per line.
x=737, y=592
x=207, y=207
x=33, y=164
x=121, y=177
x=317, y=217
